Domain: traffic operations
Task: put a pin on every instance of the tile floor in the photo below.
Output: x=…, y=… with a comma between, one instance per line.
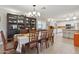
x=61, y=46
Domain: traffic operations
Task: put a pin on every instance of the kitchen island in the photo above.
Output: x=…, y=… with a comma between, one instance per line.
x=69, y=33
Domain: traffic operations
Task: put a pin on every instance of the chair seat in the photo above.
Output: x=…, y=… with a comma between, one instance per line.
x=7, y=46
x=32, y=45
x=10, y=45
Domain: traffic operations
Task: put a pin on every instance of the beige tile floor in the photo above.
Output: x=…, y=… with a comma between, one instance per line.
x=61, y=46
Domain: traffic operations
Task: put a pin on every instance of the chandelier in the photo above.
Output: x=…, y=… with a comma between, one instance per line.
x=34, y=13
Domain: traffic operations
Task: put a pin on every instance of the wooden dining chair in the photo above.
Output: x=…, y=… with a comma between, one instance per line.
x=50, y=36
x=33, y=40
x=5, y=43
x=52, y=41
x=23, y=31
x=43, y=38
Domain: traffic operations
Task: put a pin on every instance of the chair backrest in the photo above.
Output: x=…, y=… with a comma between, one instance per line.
x=43, y=34
x=33, y=36
x=23, y=31
x=3, y=37
x=50, y=32
x=32, y=30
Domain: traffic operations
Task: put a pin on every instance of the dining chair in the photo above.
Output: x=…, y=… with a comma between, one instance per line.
x=52, y=41
x=43, y=38
x=33, y=40
x=23, y=31
x=50, y=36
x=6, y=44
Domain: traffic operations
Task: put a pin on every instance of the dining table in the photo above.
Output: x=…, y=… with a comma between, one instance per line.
x=23, y=39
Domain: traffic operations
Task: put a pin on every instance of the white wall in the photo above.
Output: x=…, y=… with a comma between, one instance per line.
x=3, y=21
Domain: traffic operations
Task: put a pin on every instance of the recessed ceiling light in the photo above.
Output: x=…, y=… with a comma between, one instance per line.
x=67, y=18
x=74, y=17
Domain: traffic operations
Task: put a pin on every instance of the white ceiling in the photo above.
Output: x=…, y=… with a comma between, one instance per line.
x=50, y=11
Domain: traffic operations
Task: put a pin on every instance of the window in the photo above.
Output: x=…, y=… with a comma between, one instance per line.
x=41, y=25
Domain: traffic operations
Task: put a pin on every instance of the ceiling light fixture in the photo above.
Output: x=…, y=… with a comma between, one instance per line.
x=34, y=13
x=74, y=17
x=67, y=18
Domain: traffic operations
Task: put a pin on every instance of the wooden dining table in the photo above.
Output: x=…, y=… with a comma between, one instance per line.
x=22, y=39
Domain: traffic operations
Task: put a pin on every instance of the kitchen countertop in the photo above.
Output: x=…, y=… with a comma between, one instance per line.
x=71, y=29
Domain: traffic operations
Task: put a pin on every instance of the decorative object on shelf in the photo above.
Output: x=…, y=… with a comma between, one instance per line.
x=34, y=13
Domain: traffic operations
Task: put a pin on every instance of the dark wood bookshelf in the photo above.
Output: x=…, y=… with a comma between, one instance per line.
x=15, y=23
x=30, y=23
